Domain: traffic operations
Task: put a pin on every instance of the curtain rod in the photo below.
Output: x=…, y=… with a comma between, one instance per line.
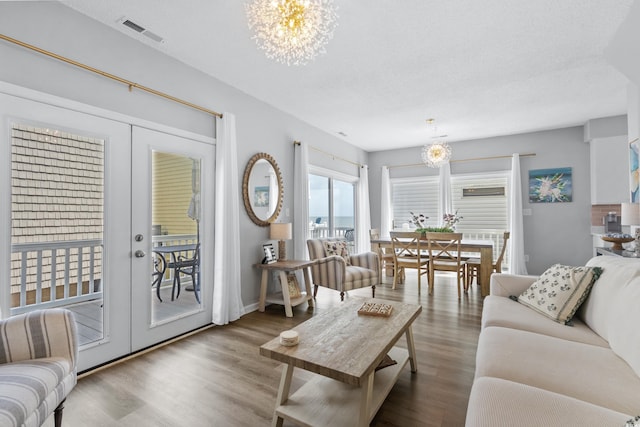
x=110, y=76
x=413, y=165
x=334, y=157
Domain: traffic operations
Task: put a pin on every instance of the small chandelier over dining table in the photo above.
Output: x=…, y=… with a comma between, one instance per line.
x=292, y=32
x=437, y=153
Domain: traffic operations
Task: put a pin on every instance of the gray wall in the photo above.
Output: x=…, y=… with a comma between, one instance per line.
x=260, y=127
x=555, y=232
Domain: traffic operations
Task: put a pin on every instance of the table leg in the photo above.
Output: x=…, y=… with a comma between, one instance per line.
x=283, y=392
x=263, y=290
x=486, y=268
x=307, y=286
x=285, y=294
x=365, y=400
x=412, y=349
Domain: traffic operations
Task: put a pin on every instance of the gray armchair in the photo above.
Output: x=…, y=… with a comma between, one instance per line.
x=38, y=366
x=333, y=271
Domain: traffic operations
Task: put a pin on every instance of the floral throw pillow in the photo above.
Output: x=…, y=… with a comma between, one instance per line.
x=337, y=247
x=559, y=291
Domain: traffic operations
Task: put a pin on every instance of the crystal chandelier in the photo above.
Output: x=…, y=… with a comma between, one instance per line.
x=292, y=32
x=436, y=154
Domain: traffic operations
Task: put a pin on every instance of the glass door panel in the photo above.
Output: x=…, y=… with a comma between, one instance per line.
x=172, y=242
x=344, y=214
x=318, y=206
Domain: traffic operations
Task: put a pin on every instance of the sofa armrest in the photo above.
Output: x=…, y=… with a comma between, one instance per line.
x=505, y=285
x=39, y=334
x=367, y=260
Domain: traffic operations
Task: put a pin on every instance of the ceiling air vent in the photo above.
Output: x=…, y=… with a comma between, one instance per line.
x=140, y=29
x=484, y=191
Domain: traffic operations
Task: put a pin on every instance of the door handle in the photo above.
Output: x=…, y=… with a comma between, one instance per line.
x=139, y=253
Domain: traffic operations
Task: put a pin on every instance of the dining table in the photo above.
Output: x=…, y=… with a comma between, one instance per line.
x=483, y=247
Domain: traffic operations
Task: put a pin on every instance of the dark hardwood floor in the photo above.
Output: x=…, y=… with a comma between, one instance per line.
x=217, y=377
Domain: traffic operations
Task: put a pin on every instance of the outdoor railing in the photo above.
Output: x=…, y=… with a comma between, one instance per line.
x=53, y=274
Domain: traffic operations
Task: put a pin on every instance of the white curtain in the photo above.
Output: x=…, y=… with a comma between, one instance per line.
x=516, y=239
x=444, y=190
x=364, y=212
x=227, y=302
x=385, y=204
x=301, y=201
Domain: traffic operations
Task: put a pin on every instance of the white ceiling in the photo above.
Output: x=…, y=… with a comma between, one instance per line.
x=480, y=68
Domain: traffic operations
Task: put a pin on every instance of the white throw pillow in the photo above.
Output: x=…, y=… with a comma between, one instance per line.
x=337, y=247
x=559, y=291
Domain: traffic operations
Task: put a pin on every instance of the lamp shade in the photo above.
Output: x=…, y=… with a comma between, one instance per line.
x=630, y=214
x=280, y=231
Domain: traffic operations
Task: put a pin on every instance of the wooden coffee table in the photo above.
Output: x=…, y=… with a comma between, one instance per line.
x=344, y=349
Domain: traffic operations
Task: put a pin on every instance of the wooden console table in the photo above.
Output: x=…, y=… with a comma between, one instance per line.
x=344, y=349
x=283, y=298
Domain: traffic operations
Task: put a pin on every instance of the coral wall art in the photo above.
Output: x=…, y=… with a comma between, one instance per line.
x=550, y=185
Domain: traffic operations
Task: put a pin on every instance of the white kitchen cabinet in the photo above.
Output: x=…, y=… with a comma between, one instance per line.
x=609, y=170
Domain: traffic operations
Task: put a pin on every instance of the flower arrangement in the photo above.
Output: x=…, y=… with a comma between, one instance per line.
x=418, y=220
x=451, y=219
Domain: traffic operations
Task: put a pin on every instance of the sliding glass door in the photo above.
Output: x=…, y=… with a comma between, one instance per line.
x=332, y=202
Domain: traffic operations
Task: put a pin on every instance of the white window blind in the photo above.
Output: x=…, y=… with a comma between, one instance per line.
x=417, y=195
x=480, y=213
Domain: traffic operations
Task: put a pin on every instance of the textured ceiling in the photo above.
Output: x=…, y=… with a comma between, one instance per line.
x=480, y=68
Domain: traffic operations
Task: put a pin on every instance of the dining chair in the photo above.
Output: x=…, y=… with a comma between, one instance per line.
x=189, y=266
x=386, y=258
x=473, y=264
x=444, y=255
x=408, y=253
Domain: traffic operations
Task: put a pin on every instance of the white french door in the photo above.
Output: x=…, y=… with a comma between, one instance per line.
x=172, y=219
x=65, y=217
x=81, y=195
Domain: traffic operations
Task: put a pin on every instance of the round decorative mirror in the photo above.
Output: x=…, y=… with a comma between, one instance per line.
x=262, y=189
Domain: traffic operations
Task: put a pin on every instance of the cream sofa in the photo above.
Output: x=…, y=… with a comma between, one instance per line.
x=533, y=371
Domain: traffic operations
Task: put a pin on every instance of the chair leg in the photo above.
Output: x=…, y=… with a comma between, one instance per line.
x=176, y=281
x=431, y=280
x=373, y=291
x=57, y=414
x=396, y=271
x=315, y=291
x=195, y=281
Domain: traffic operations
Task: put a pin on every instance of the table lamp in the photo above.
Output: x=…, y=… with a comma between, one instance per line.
x=281, y=232
x=630, y=215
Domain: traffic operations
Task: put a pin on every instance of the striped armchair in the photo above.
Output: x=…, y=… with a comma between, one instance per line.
x=38, y=356
x=332, y=271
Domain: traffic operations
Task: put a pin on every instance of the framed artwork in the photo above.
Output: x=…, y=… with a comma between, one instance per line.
x=550, y=185
x=269, y=253
x=292, y=285
x=261, y=197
